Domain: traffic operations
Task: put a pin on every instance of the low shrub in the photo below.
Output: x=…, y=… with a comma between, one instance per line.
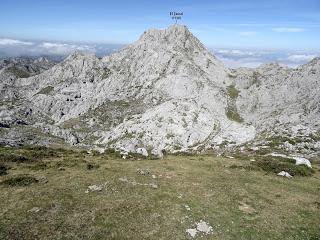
x=3, y=169
x=278, y=164
x=91, y=166
x=20, y=180
x=10, y=157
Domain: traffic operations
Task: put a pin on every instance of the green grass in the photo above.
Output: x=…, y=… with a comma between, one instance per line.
x=232, y=92
x=231, y=110
x=232, y=114
x=215, y=189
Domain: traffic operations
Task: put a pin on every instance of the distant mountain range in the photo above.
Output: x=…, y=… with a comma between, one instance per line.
x=164, y=93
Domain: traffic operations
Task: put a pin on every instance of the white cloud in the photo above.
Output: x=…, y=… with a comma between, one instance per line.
x=13, y=47
x=64, y=48
x=301, y=58
x=247, y=34
x=12, y=42
x=235, y=53
x=287, y=29
x=235, y=58
x=241, y=62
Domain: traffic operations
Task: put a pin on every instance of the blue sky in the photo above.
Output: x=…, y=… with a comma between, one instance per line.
x=293, y=24
x=239, y=32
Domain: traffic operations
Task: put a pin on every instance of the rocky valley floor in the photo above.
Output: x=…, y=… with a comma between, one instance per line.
x=63, y=194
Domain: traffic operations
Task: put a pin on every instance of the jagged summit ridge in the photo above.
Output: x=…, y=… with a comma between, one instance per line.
x=178, y=35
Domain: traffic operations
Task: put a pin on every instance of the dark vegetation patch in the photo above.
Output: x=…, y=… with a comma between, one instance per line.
x=231, y=109
x=106, y=73
x=12, y=157
x=34, y=157
x=35, y=153
x=277, y=140
x=249, y=167
x=20, y=180
x=278, y=164
x=3, y=169
x=232, y=92
x=183, y=153
x=270, y=164
x=92, y=166
x=4, y=125
x=232, y=114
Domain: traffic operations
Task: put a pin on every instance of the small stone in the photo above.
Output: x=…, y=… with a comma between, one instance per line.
x=123, y=179
x=153, y=185
x=142, y=151
x=35, y=210
x=284, y=174
x=204, y=227
x=144, y=171
x=192, y=232
x=95, y=188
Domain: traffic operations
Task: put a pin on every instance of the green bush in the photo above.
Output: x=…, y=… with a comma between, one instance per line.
x=278, y=164
x=3, y=169
x=10, y=157
x=91, y=166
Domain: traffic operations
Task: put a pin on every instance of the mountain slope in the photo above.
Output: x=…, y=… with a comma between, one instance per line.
x=281, y=101
x=165, y=92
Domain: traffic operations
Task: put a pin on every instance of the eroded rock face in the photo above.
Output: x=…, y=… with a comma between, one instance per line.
x=165, y=92
x=279, y=101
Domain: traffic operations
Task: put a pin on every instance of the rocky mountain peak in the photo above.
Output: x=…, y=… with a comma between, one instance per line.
x=80, y=55
x=175, y=38
x=176, y=30
x=41, y=60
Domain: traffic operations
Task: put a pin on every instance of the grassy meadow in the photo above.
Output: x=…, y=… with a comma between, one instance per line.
x=45, y=194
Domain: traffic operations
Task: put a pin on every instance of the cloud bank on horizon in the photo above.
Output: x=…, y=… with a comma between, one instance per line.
x=232, y=57
x=15, y=48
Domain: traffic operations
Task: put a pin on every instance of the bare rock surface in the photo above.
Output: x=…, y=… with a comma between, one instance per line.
x=164, y=93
